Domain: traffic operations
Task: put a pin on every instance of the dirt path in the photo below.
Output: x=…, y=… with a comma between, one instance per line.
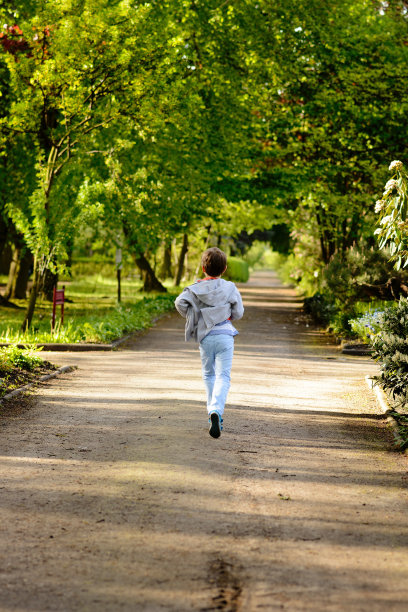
x=114, y=496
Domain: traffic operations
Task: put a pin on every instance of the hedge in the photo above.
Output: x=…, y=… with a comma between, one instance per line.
x=237, y=270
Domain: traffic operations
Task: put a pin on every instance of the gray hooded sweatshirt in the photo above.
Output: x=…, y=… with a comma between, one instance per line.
x=207, y=303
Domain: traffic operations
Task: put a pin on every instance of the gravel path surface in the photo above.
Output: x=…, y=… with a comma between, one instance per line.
x=114, y=497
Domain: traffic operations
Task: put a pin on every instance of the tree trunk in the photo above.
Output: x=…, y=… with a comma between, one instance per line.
x=19, y=273
x=70, y=248
x=14, y=264
x=19, y=290
x=207, y=242
x=5, y=259
x=150, y=280
x=3, y=235
x=165, y=271
x=33, y=298
x=180, y=267
x=327, y=241
x=321, y=239
x=48, y=282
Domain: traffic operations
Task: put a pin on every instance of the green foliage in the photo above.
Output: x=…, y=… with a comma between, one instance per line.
x=393, y=220
x=261, y=256
x=367, y=326
x=106, y=326
x=360, y=264
x=255, y=254
x=391, y=350
x=402, y=422
x=237, y=270
x=124, y=320
x=332, y=115
x=319, y=307
x=63, y=89
x=339, y=322
x=91, y=312
x=14, y=357
x=335, y=289
x=87, y=267
x=153, y=120
x=303, y=272
x=272, y=260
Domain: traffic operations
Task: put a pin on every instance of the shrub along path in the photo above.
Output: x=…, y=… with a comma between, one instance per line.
x=114, y=496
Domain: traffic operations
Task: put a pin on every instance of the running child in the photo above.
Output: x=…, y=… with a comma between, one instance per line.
x=209, y=305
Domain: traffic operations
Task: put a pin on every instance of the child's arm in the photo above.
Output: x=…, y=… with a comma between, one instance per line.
x=237, y=308
x=182, y=303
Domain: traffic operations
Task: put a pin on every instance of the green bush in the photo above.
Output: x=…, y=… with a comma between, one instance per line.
x=340, y=320
x=391, y=350
x=358, y=265
x=319, y=307
x=237, y=270
x=125, y=319
x=14, y=357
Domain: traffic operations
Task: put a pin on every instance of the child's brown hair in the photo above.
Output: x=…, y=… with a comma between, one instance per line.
x=214, y=261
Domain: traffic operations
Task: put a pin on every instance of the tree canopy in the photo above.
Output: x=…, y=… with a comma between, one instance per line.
x=166, y=121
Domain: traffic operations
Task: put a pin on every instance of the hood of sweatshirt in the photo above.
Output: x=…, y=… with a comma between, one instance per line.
x=213, y=292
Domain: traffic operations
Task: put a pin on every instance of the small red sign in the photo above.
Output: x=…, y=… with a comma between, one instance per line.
x=58, y=300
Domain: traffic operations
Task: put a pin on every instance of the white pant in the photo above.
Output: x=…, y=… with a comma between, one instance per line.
x=216, y=358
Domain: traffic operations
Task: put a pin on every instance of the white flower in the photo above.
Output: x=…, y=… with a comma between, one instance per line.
x=379, y=205
x=395, y=165
x=392, y=184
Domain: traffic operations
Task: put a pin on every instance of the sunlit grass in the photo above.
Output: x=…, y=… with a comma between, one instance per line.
x=18, y=367
x=92, y=313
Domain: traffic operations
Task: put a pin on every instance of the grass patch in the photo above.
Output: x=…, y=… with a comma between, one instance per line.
x=18, y=367
x=91, y=313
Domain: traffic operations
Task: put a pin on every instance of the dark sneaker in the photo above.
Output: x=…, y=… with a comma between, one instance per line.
x=215, y=427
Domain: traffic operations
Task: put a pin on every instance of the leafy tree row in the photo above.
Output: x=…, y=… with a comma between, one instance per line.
x=178, y=119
